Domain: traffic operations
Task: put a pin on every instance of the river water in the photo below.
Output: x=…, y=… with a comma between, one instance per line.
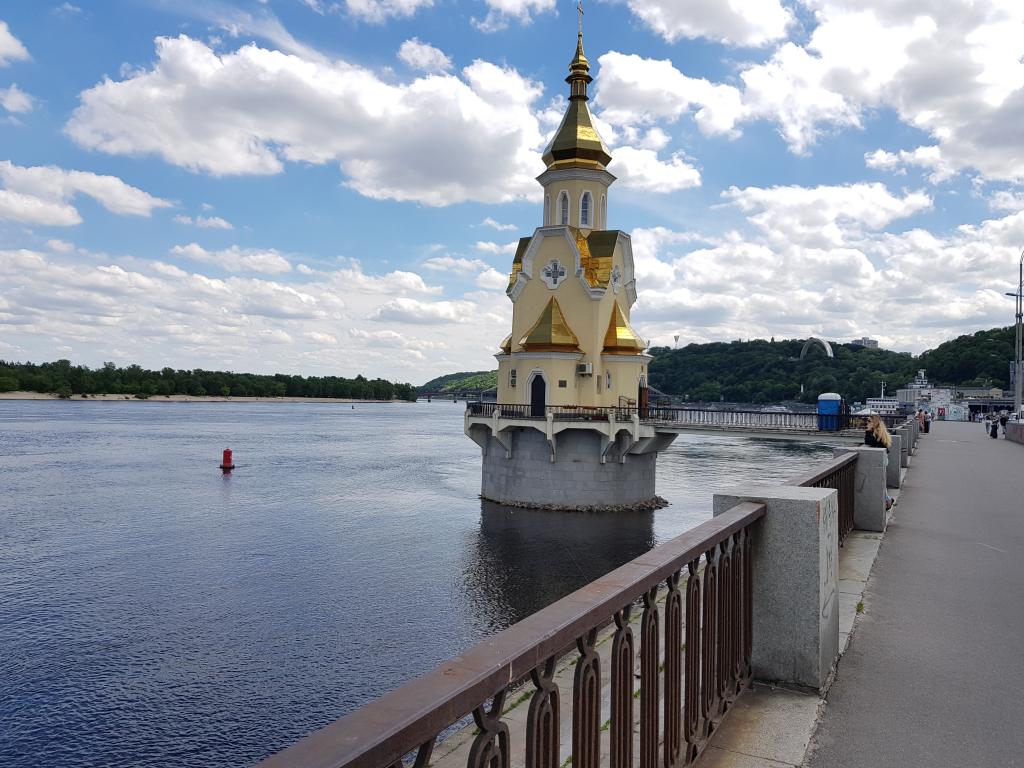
x=156, y=613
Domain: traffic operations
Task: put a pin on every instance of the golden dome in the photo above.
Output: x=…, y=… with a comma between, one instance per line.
x=551, y=332
x=621, y=339
x=576, y=143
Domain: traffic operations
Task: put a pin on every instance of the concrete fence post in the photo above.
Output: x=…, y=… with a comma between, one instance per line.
x=892, y=469
x=869, y=486
x=904, y=433
x=795, y=573
x=915, y=431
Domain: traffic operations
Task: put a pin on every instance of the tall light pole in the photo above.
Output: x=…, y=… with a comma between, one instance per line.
x=1018, y=374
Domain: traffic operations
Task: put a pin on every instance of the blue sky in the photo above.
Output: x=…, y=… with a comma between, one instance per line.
x=322, y=186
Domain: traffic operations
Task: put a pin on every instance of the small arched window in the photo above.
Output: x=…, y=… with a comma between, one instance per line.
x=585, y=206
x=563, y=204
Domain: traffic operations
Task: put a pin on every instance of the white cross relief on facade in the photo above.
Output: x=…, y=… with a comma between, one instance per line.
x=553, y=273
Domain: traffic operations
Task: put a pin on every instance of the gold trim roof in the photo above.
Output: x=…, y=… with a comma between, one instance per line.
x=596, y=251
x=550, y=332
x=576, y=143
x=621, y=338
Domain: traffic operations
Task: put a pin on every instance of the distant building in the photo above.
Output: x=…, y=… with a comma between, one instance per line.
x=865, y=342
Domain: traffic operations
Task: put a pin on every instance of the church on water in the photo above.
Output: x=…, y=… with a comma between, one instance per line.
x=567, y=431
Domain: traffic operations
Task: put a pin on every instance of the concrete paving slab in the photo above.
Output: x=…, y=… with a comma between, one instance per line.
x=720, y=758
x=772, y=724
x=847, y=611
x=933, y=674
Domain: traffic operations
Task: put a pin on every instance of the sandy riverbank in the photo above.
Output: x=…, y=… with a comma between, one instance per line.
x=190, y=398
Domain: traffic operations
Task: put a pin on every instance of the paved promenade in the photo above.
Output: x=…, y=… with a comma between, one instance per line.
x=934, y=674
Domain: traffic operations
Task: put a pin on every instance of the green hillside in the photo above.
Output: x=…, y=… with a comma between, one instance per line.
x=455, y=382
x=762, y=371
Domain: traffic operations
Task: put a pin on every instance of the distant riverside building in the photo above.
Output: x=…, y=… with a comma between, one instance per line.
x=572, y=345
x=865, y=342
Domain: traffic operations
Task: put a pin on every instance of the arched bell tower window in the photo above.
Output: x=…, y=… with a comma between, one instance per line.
x=563, y=209
x=547, y=210
x=586, y=205
x=604, y=212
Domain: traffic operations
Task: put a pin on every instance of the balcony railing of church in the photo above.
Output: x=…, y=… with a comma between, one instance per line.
x=686, y=606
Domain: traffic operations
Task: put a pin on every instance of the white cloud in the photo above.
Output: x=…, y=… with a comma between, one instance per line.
x=642, y=169
x=66, y=10
x=492, y=280
x=733, y=22
x=454, y=264
x=633, y=90
x=235, y=259
x=205, y=222
x=11, y=48
x=500, y=12
x=824, y=216
x=424, y=57
x=250, y=111
x=42, y=195
x=1007, y=200
x=13, y=99
x=929, y=158
x=415, y=311
x=489, y=222
x=485, y=246
x=379, y=11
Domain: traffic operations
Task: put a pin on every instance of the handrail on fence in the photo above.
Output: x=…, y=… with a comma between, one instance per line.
x=716, y=638
x=839, y=475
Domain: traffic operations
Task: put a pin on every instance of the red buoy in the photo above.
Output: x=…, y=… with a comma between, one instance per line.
x=227, y=464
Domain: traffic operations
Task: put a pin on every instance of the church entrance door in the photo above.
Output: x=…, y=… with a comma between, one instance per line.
x=642, y=399
x=538, y=395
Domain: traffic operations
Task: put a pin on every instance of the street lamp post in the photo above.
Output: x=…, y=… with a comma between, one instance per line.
x=1018, y=374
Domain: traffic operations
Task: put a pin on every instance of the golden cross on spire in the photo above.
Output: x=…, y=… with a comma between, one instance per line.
x=579, y=7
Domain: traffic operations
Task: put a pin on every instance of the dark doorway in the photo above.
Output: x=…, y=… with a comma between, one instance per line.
x=642, y=399
x=538, y=393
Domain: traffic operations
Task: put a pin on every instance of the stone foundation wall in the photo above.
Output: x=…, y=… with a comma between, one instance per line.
x=575, y=480
x=1015, y=432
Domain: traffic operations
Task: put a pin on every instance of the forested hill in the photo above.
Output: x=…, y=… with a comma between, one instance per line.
x=459, y=382
x=66, y=379
x=770, y=371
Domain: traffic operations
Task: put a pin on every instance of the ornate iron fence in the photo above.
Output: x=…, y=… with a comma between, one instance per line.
x=839, y=475
x=698, y=417
x=705, y=627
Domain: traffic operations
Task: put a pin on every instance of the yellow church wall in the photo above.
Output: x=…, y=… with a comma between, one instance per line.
x=575, y=189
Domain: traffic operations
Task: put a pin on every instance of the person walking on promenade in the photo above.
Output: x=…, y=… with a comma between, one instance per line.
x=920, y=418
x=1003, y=418
x=877, y=436
x=993, y=428
x=927, y=422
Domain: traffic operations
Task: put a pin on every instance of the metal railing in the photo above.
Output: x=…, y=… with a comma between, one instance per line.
x=837, y=474
x=753, y=419
x=704, y=628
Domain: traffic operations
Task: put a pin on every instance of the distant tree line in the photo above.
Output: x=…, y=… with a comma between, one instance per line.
x=63, y=378
x=762, y=371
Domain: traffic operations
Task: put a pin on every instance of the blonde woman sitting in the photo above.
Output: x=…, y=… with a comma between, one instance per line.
x=877, y=436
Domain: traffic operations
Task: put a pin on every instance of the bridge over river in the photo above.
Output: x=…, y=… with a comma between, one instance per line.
x=661, y=662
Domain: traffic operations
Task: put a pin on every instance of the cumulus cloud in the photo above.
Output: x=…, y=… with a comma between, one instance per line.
x=379, y=11
x=235, y=259
x=13, y=99
x=824, y=216
x=485, y=246
x=42, y=195
x=928, y=158
x=733, y=22
x=252, y=110
x=500, y=12
x=454, y=264
x=204, y=222
x=424, y=57
x=11, y=48
x=157, y=314
x=489, y=222
x=642, y=169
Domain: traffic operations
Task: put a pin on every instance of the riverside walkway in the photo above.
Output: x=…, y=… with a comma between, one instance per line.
x=934, y=671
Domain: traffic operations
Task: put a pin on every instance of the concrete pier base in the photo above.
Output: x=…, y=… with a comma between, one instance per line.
x=795, y=573
x=578, y=470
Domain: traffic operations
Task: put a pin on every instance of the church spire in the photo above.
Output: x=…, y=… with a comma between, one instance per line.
x=576, y=142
